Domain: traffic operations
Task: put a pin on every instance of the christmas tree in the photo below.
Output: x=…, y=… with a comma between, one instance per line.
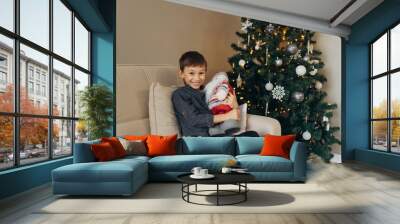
x=276, y=72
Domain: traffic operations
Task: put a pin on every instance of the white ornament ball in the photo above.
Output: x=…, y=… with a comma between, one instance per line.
x=269, y=86
x=306, y=58
x=242, y=63
x=278, y=62
x=306, y=135
x=313, y=72
x=301, y=70
x=318, y=85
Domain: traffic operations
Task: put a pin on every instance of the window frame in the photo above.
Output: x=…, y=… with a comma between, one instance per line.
x=388, y=74
x=16, y=114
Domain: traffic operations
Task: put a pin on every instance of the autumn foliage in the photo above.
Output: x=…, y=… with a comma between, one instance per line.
x=33, y=131
x=380, y=127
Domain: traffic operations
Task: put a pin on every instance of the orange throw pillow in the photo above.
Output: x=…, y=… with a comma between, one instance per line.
x=103, y=152
x=277, y=145
x=136, y=137
x=116, y=145
x=161, y=145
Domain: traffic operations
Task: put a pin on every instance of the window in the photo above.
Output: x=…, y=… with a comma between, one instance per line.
x=35, y=21
x=3, y=61
x=44, y=91
x=7, y=14
x=81, y=45
x=385, y=94
x=3, y=78
x=43, y=115
x=30, y=72
x=38, y=89
x=30, y=87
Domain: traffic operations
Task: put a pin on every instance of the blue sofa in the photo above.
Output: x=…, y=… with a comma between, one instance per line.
x=125, y=176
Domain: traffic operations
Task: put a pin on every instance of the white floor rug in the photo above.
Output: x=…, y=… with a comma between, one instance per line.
x=166, y=198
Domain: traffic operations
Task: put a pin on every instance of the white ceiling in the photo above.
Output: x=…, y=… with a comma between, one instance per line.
x=320, y=9
x=316, y=15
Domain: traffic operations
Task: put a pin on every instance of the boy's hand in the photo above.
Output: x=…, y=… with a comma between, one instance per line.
x=234, y=114
x=232, y=101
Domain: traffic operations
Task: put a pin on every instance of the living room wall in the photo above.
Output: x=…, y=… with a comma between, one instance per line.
x=356, y=89
x=158, y=32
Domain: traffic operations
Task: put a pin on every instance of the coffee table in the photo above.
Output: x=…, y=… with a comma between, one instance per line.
x=238, y=179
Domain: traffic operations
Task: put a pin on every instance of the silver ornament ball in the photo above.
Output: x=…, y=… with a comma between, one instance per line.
x=292, y=48
x=306, y=58
x=298, y=96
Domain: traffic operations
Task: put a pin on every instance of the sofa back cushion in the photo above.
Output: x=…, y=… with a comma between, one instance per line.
x=206, y=145
x=249, y=145
x=83, y=152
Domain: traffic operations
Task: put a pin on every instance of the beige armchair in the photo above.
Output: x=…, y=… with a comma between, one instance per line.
x=133, y=85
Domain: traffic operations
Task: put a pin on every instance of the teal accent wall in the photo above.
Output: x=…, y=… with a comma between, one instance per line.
x=24, y=178
x=356, y=86
x=99, y=15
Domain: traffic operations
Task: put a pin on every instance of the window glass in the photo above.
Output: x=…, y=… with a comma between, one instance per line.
x=39, y=61
x=6, y=142
x=81, y=45
x=6, y=74
x=62, y=91
x=379, y=135
x=33, y=139
x=62, y=138
x=395, y=47
x=81, y=131
x=34, y=21
x=379, y=97
x=379, y=56
x=7, y=14
x=395, y=95
x=81, y=82
x=62, y=28
x=395, y=138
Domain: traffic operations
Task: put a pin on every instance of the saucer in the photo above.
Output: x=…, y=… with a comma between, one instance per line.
x=208, y=176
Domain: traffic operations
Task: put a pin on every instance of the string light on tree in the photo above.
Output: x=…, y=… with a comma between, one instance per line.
x=278, y=62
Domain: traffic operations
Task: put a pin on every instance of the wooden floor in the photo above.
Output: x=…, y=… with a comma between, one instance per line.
x=377, y=188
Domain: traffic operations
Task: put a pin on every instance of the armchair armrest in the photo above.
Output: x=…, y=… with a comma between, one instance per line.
x=83, y=152
x=298, y=155
x=263, y=125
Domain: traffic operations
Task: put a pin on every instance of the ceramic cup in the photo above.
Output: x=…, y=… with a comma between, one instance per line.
x=226, y=170
x=203, y=172
x=196, y=171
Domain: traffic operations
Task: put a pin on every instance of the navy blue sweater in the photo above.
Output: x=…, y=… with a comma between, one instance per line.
x=191, y=111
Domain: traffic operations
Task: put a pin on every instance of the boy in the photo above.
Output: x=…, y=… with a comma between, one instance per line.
x=191, y=110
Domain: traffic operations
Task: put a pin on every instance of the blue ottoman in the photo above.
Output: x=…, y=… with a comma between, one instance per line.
x=118, y=177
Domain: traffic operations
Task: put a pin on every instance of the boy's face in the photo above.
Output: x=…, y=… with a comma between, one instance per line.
x=193, y=76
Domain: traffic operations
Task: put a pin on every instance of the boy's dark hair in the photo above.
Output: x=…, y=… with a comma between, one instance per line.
x=192, y=58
